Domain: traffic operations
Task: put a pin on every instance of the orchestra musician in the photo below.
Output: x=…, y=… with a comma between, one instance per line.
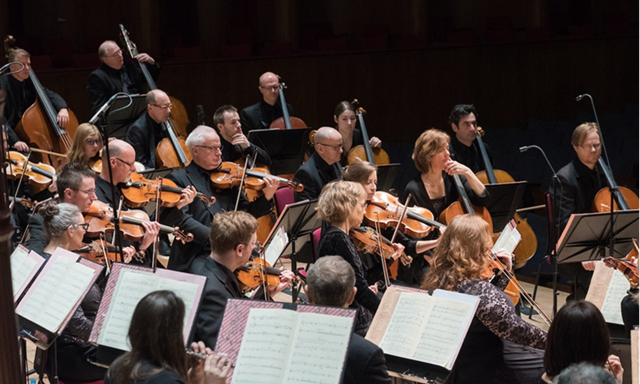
x=205, y=147
x=322, y=167
x=263, y=113
x=21, y=94
x=235, y=144
x=115, y=75
x=464, y=123
x=146, y=132
x=232, y=241
x=345, y=118
x=87, y=143
x=157, y=353
x=500, y=347
x=331, y=282
x=580, y=180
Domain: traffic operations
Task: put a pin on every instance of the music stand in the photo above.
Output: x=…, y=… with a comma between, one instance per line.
x=286, y=148
x=298, y=220
x=387, y=174
x=503, y=201
x=121, y=116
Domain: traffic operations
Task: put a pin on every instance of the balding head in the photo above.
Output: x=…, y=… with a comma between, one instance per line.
x=204, y=145
x=110, y=54
x=158, y=105
x=122, y=157
x=268, y=86
x=328, y=144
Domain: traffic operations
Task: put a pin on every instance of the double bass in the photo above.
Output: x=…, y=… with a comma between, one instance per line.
x=39, y=126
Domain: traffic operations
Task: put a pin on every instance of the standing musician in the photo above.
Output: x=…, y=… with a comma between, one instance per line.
x=87, y=143
x=322, y=167
x=21, y=94
x=233, y=239
x=580, y=180
x=463, y=122
x=114, y=75
x=263, y=113
x=497, y=346
x=345, y=118
x=235, y=144
x=206, y=150
x=146, y=132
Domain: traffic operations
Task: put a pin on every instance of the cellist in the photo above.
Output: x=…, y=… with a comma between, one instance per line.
x=21, y=94
x=235, y=144
x=345, y=118
x=264, y=112
x=463, y=120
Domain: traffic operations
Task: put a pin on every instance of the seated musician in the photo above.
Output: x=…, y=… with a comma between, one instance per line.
x=346, y=119
x=464, y=144
x=580, y=180
x=147, y=131
x=87, y=143
x=115, y=75
x=331, y=282
x=235, y=144
x=21, y=94
x=206, y=150
x=263, y=113
x=500, y=347
x=322, y=167
x=233, y=239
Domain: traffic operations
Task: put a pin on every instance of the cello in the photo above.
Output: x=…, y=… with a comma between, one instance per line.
x=364, y=152
x=529, y=244
x=286, y=121
x=39, y=126
x=623, y=198
x=171, y=152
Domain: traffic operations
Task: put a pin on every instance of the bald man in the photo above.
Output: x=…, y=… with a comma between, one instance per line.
x=262, y=114
x=115, y=75
x=146, y=132
x=323, y=166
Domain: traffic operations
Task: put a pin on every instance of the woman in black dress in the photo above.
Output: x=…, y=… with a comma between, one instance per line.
x=345, y=119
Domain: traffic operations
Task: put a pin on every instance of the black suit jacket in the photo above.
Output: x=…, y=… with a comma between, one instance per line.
x=314, y=175
x=144, y=135
x=235, y=152
x=469, y=156
x=38, y=238
x=261, y=115
x=365, y=363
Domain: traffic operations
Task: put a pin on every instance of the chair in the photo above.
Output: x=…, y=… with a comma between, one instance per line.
x=283, y=197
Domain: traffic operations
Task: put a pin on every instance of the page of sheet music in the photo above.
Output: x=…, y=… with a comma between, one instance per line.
x=319, y=349
x=132, y=286
x=276, y=246
x=21, y=268
x=186, y=291
x=266, y=345
x=407, y=324
x=617, y=290
x=57, y=293
x=508, y=240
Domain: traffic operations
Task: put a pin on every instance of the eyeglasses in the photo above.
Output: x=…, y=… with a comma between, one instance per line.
x=125, y=162
x=220, y=148
x=257, y=246
x=114, y=54
x=592, y=146
x=168, y=106
x=273, y=88
x=336, y=147
x=84, y=226
x=93, y=141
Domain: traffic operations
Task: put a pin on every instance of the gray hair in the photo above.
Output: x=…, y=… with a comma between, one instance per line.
x=330, y=281
x=58, y=218
x=585, y=373
x=198, y=135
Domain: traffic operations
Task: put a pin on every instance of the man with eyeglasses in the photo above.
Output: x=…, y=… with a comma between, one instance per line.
x=580, y=180
x=234, y=142
x=146, y=132
x=263, y=113
x=195, y=218
x=115, y=75
x=323, y=166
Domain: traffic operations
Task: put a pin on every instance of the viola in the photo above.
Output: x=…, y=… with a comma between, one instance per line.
x=229, y=175
x=367, y=240
x=40, y=176
x=139, y=191
x=385, y=209
x=255, y=273
x=100, y=219
x=99, y=251
x=364, y=152
x=628, y=269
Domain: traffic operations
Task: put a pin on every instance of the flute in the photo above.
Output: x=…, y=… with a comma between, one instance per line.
x=203, y=356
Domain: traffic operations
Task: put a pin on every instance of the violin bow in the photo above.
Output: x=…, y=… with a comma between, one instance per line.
x=385, y=269
x=402, y=216
x=156, y=241
x=244, y=174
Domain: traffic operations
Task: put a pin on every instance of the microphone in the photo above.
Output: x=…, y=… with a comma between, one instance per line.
x=6, y=69
x=580, y=97
x=528, y=147
x=525, y=148
x=105, y=107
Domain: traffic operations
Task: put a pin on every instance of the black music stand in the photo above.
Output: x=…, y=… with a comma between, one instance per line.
x=286, y=148
x=503, y=201
x=387, y=175
x=121, y=116
x=298, y=220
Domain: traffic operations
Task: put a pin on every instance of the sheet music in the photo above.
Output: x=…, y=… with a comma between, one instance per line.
x=508, y=240
x=635, y=352
x=21, y=268
x=617, y=290
x=186, y=291
x=406, y=325
x=274, y=249
x=57, y=293
x=319, y=348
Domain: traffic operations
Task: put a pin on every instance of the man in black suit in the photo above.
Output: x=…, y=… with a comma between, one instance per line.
x=323, y=166
x=114, y=75
x=263, y=113
x=233, y=239
x=195, y=218
x=464, y=144
x=235, y=144
x=580, y=180
x=331, y=282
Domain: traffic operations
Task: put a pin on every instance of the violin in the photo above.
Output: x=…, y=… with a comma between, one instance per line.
x=628, y=269
x=99, y=251
x=40, y=176
x=255, y=273
x=100, y=219
x=139, y=191
x=364, y=152
x=385, y=209
x=229, y=175
x=367, y=240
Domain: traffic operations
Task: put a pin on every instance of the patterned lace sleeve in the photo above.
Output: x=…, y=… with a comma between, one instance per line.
x=497, y=313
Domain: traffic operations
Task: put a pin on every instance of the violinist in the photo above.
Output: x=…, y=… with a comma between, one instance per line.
x=500, y=347
x=235, y=144
x=196, y=218
x=580, y=180
x=21, y=94
x=263, y=113
x=322, y=167
x=114, y=75
x=87, y=143
x=345, y=118
x=233, y=239
x=464, y=124
x=146, y=132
